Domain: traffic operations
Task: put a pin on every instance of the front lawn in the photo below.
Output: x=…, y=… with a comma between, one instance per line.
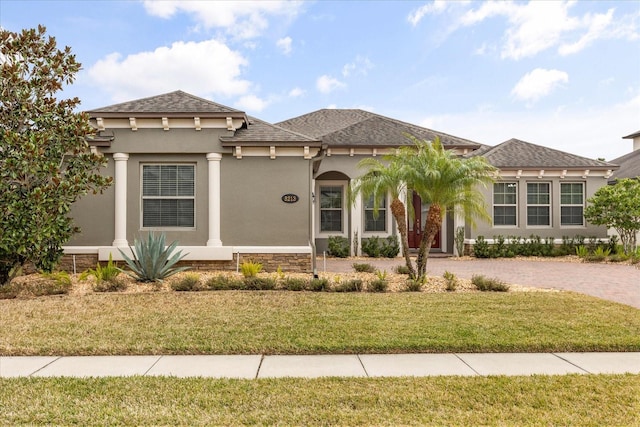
x=276, y=322
x=539, y=400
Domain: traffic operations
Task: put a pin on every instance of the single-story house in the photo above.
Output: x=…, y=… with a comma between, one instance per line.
x=228, y=186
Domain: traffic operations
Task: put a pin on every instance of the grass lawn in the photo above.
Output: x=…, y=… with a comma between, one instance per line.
x=540, y=400
x=276, y=322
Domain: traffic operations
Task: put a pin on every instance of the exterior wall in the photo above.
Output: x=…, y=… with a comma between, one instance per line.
x=95, y=216
x=555, y=230
x=252, y=210
x=170, y=141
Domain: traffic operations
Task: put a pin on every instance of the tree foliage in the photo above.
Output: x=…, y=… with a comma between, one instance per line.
x=45, y=161
x=441, y=179
x=617, y=206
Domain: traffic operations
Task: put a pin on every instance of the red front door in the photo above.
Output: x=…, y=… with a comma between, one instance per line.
x=415, y=225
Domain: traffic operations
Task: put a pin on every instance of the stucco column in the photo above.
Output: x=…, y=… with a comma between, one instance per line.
x=458, y=221
x=120, y=232
x=214, y=199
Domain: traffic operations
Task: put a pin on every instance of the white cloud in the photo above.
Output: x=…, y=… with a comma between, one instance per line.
x=284, y=44
x=327, y=84
x=245, y=19
x=296, y=92
x=435, y=7
x=359, y=66
x=207, y=67
x=538, y=83
x=540, y=25
x=331, y=107
x=252, y=103
x=562, y=129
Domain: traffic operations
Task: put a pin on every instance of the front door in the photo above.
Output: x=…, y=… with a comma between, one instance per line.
x=415, y=225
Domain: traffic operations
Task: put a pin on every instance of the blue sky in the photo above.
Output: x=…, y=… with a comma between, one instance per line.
x=561, y=74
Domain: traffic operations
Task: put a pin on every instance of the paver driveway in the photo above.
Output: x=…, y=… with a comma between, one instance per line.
x=620, y=283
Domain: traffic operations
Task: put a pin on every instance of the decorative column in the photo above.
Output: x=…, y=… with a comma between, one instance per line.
x=120, y=237
x=214, y=199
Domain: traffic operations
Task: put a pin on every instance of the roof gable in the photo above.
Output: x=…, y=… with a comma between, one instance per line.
x=361, y=128
x=168, y=104
x=515, y=153
x=259, y=131
x=629, y=166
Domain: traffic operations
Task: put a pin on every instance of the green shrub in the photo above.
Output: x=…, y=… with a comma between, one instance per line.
x=412, y=286
x=353, y=285
x=452, y=281
x=319, y=285
x=378, y=285
x=111, y=285
x=295, y=284
x=390, y=247
x=582, y=251
x=618, y=257
x=401, y=269
x=599, y=254
x=259, y=283
x=188, y=282
x=459, y=240
x=224, y=283
x=481, y=248
x=250, y=268
x=338, y=246
x=152, y=261
x=371, y=246
x=489, y=284
x=363, y=267
x=108, y=272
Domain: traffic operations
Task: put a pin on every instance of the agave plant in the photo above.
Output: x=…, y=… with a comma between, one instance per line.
x=152, y=262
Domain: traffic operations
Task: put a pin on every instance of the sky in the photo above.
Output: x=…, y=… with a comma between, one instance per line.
x=562, y=74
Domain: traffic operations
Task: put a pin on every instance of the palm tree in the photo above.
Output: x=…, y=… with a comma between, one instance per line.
x=441, y=179
x=382, y=179
x=445, y=182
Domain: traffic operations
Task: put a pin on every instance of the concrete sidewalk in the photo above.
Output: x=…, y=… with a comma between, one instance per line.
x=365, y=365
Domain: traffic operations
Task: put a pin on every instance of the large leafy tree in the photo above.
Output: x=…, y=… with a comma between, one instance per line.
x=45, y=162
x=617, y=206
x=441, y=179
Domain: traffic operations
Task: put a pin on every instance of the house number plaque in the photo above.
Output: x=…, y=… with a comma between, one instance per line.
x=290, y=198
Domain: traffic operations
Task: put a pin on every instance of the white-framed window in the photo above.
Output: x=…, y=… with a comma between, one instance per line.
x=168, y=195
x=539, y=204
x=375, y=221
x=505, y=204
x=572, y=204
x=332, y=204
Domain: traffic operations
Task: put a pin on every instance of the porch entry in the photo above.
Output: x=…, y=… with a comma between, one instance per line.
x=415, y=225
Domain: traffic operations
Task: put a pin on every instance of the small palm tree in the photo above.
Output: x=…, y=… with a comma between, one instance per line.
x=445, y=182
x=441, y=179
x=382, y=179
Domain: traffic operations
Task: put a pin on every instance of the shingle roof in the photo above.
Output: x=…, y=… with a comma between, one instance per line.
x=262, y=132
x=362, y=128
x=629, y=166
x=520, y=154
x=177, y=102
x=631, y=136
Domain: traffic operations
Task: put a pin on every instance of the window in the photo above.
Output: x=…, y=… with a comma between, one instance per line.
x=538, y=204
x=331, y=201
x=571, y=203
x=375, y=221
x=505, y=199
x=168, y=196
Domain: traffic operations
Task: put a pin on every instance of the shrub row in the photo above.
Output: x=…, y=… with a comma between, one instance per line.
x=374, y=247
x=511, y=246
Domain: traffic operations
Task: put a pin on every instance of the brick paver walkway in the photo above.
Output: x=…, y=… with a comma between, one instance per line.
x=620, y=283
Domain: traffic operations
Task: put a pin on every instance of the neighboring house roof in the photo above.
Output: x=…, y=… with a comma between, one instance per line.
x=629, y=166
x=633, y=135
x=260, y=131
x=177, y=103
x=364, y=129
x=520, y=154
